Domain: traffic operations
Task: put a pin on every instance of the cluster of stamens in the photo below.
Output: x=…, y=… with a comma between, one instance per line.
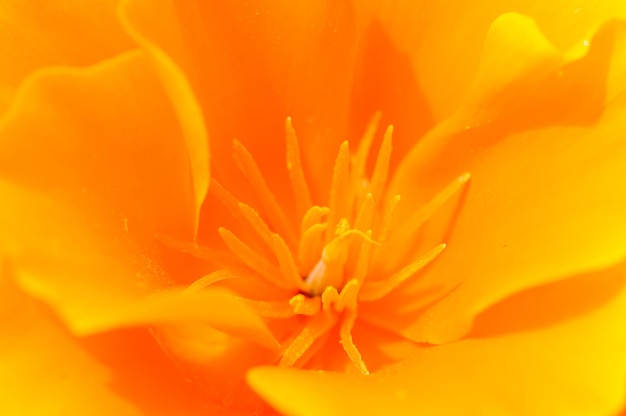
x=342, y=253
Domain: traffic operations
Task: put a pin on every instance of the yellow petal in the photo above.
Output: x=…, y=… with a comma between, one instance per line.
x=438, y=36
x=215, y=308
x=555, y=209
x=35, y=35
x=93, y=165
x=177, y=83
x=543, y=87
x=574, y=367
x=551, y=210
x=44, y=371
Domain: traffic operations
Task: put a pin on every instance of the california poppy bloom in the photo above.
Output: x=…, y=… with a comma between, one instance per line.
x=332, y=207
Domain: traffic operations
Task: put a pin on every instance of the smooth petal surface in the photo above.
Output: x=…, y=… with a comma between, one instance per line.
x=37, y=378
x=556, y=210
x=279, y=61
x=561, y=182
x=215, y=308
x=573, y=367
x=570, y=88
x=35, y=34
x=438, y=36
x=88, y=179
x=177, y=84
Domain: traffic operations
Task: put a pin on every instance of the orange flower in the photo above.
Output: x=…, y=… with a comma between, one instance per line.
x=205, y=201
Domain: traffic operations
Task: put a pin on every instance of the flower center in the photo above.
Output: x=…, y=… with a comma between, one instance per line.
x=344, y=254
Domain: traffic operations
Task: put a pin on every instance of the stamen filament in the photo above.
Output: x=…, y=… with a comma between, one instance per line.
x=257, y=223
x=252, y=259
x=313, y=216
x=271, y=207
x=299, y=186
x=366, y=214
x=345, y=334
x=271, y=309
x=340, y=189
x=330, y=296
x=364, y=147
x=381, y=168
x=407, y=231
x=211, y=278
x=304, y=305
x=363, y=259
x=371, y=291
x=385, y=225
x=311, y=244
x=348, y=296
x=225, y=197
x=288, y=265
x=316, y=327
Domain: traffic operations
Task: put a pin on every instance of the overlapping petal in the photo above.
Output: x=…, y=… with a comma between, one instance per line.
x=444, y=39
x=574, y=366
x=37, y=378
x=89, y=177
x=279, y=61
x=36, y=34
x=552, y=182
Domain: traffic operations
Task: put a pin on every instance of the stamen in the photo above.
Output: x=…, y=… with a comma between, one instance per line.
x=269, y=309
x=211, y=278
x=363, y=222
x=330, y=269
x=257, y=223
x=296, y=172
x=342, y=227
x=317, y=326
x=304, y=305
x=362, y=153
x=313, y=216
x=311, y=244
x=363, y=259
x=287, y=263
x=330, y=296
x=345, y=334
x=385, y=225
x=381, y=168
x=371, y=291
x=340, y=192
x=348, y=296
x=225, y=197
x=366, y=214
x=252, y=259
x=365, y=236
x=407, y=231
x=271, y=207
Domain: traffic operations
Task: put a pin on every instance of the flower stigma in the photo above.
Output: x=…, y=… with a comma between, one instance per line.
x=340, y=255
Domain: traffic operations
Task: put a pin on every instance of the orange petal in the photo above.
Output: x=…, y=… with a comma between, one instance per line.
x=216, y=308
x=35, y=35
x=93, y=166
x=275, y=61
x=545, y=87
x=438, y=36
x=386, y=87
x=179, y=88
x=546, y=203
x=44, y=371
x=542, y=205
x=575, y=367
